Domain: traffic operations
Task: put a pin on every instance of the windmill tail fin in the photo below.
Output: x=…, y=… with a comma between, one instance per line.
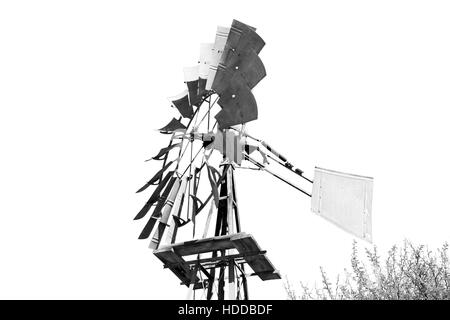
x=345, y=200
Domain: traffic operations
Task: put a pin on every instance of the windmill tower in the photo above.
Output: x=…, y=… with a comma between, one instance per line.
x=218, y=257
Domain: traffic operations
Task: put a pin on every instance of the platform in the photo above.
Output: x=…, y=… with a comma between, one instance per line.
x=247, y=248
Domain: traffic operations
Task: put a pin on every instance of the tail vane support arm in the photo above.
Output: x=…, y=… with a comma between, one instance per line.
x=282, y=160
x=263, y=167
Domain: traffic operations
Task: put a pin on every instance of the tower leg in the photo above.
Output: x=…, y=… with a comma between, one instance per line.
x=244, y=282
x=190, y=294
x=221, y=284
x=209, y=293
x=231, y=282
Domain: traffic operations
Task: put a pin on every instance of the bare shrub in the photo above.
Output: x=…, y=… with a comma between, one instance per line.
x=408, y=273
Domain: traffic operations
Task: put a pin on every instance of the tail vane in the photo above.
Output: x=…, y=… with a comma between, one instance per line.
x=345, y=200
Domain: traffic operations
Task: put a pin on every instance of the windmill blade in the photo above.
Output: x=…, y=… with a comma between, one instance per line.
x=219, y=46
x=191, y=78
x=240, y=56
x=157, y=211
x=345, y=200
x=238, y=105
x=164, y=151
x=248, y=67
x=156, y=177
x=206, y=50
x=181, y=103
x=154, y=197
x=239, y=71
x=173, y=126
x=242, y=37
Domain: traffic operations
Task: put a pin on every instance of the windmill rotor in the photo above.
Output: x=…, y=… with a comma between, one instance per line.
x=196, y=179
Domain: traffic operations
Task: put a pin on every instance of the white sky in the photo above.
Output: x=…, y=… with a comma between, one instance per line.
x=354, y=86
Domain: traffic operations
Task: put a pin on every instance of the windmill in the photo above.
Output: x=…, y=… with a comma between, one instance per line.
x=209, y=142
